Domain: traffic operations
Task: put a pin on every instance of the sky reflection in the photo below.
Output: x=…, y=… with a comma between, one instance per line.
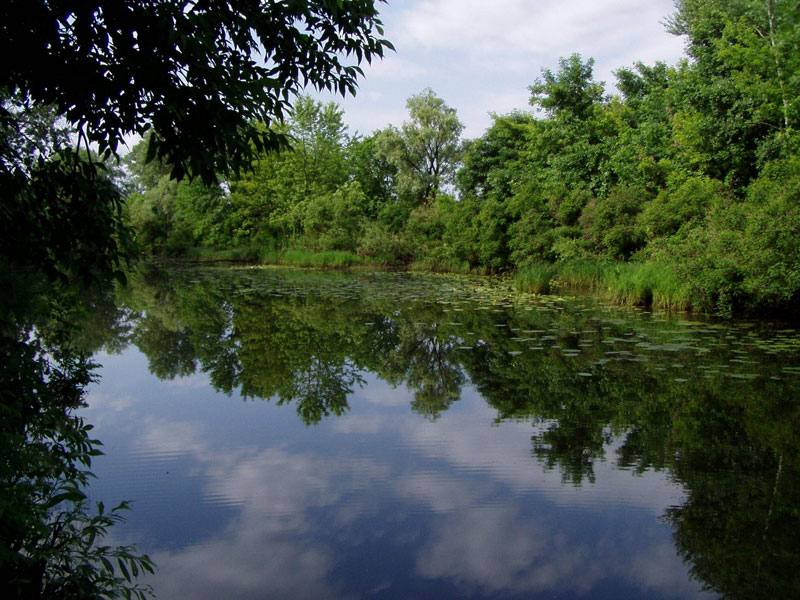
x=239, y=499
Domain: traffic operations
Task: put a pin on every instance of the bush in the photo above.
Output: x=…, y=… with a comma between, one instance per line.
x=682, y=207
x=610, y=222
x=383, y=246
x=335, y=221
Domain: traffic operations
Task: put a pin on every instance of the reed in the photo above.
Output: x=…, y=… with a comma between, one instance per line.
x=307, y=258
x=536, y=278
x=653, y=284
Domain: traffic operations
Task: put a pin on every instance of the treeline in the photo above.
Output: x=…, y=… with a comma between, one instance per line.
x=681, y=190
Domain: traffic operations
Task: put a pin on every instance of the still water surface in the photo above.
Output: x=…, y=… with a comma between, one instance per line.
x=293, y=434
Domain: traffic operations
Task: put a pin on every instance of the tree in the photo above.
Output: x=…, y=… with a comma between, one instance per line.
x=372, y=171
x=426, y=150
x=271, y=199
x=61, y=213
x=203, y=75
x=737, y=105
x=491, y=166
x=571, y=93
x=167, y=214
x=199, y=73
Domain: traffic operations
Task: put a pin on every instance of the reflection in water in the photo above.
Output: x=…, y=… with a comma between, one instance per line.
x=380, y=502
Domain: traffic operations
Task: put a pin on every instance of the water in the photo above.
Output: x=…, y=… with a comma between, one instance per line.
x=291, y=434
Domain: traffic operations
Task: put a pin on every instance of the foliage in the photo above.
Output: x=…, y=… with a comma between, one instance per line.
x=62, y=214
x=200, y=74
x=426, y=149
x=49, y=533
x=650, y=283
x=383, y=245
x=691, y=168
x=271, y=200
x=373, y=172
x=334, y=221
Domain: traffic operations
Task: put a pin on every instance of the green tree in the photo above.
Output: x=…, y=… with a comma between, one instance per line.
x=373, y=173
x=643, y=152
x=334, y=221
x=426, y=150
x=570, y=93
x=202, y=75
x=62, y=214
x=735, y=94
x=170, y=215
x=271, y=199
x=491, y=166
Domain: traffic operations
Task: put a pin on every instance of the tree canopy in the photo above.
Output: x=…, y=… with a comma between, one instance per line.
x=204, y=76
x=426, y=149
x=198, y=72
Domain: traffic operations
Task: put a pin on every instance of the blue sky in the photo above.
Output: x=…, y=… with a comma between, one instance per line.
x=480, y=56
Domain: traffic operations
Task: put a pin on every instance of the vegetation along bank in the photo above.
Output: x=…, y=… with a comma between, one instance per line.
x=681, y=190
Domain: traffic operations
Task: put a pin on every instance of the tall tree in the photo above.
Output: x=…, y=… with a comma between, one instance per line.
x=426, y=150
x=271, y=199
x=737, y=91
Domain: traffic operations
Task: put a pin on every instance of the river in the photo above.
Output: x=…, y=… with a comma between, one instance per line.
x=300, y=434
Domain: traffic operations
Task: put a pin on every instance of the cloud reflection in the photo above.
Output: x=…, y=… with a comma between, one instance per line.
x=459, y=502
x=270, y=548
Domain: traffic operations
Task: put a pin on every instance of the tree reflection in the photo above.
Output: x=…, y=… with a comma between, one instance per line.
x=739, y=464
x=49, y=534
x=589, y=397
x=425, y=359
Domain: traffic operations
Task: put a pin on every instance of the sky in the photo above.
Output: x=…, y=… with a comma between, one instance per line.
x=480, y=56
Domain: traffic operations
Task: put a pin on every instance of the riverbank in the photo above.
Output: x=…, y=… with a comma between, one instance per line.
x=655, y=284
x=633, y=284
x=329, y=259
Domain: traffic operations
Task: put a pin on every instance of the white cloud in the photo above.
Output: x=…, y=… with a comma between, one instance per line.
x=381, y=393
x=503, y=33
x=196, y=381
x=396, y=68
x=97, y=400
x=468, y=444
x=476, y=534
x=496, y=549
x=268, y=549
x=480, y=56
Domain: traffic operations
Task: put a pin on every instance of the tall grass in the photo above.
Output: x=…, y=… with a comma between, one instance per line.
x=272, y=256
x=648, y=284
x=331, y=258
x=635, y=284
x=249, y=253
x=536, y=278
x=582, y=275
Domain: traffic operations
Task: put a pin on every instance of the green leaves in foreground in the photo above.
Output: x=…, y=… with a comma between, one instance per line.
x=49, y=532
